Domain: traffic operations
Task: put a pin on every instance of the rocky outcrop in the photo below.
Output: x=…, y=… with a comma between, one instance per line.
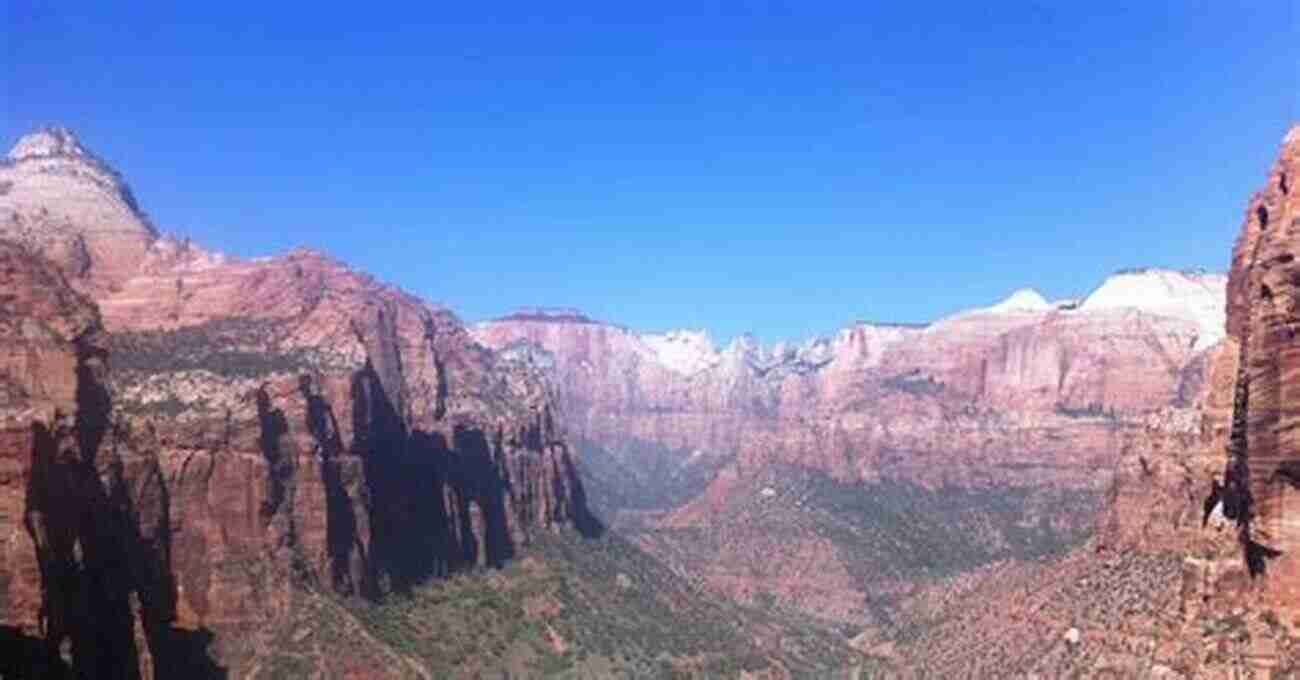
x=192, y=440
x=65, y=203
x=1262, y=486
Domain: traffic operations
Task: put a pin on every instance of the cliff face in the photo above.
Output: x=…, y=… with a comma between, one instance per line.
x=232, y=430
x=393, y=447
x=1016, y=414
x=1007, y=385
x=47, y=329
x=84, y=563
x=1263, y=473
x=1192, y=572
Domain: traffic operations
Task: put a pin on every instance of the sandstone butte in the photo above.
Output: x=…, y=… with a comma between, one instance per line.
x=184, y=436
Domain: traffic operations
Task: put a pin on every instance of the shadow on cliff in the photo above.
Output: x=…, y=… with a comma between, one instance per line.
x=584, y=520
x=347, y=553
x=416, y=497
x=567, y=481
x=107, y=595
x=24, y=656
x=272, y=427
x=1236, y=493
x=434, y=506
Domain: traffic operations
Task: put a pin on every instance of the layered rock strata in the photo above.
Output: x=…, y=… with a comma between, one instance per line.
x=1262, y=485
x=1012, y=388
x=1025, y=399
x=1192, y=570
x=191, y=439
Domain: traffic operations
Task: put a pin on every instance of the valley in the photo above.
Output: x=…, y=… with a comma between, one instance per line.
x=880, y=459
x=281, y=467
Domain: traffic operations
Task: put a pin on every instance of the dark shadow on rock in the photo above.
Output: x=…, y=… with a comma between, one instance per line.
x=1289, y=472
x=430, y=458
x=341, y=537
x=1215, y=497
x=23, y=656
x=94, y=403
x=584, y=520
x=85, y=581
x=422, y=492
x=479, y=479
x=182, y=653
x=440, y=406
x=1257, y=556
x=272, y=425
x=402, y=497
x=104, y=586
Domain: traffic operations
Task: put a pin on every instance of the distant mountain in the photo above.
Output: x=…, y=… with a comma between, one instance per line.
x=1025, y=398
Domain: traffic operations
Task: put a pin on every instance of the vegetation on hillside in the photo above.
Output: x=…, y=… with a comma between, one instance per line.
x=880, y=534
x=574, y=608
x=232, y=348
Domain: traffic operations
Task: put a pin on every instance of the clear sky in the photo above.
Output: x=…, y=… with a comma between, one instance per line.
x=781, y=168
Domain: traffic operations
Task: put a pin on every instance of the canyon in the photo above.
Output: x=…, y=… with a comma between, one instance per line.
x=1015, y=414
x=214, y=466
x=1162, y=402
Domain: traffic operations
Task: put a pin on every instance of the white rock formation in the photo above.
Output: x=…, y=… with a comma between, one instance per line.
x=1193, y=296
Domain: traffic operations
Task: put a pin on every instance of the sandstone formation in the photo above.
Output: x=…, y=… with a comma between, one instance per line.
x=63, y=202
x=1263, y=475
x=193, y=439
x=80, y=565
x=880, y=400
x=1192, y=570
x=192, y=446
x=1024, y=398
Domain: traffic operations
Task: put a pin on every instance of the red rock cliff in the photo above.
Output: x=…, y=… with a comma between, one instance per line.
x=83, y=518
x=233, y=429
x=1263, y=473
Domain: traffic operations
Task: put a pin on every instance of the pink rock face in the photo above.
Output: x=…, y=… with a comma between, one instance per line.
x=1263, y=476
x=1047, y=400
x=259, y=424
x=957, y=401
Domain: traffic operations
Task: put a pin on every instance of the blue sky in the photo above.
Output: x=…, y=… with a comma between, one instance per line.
x=780, y=168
